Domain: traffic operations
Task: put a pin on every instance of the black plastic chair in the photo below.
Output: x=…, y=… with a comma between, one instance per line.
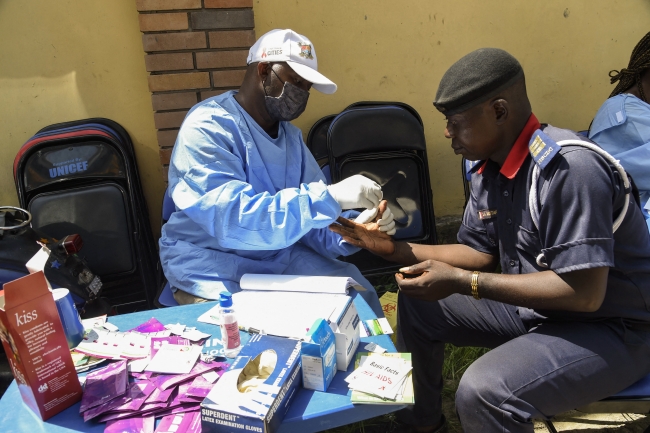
x=385, y=142
x=317, y=140
x=633, y=399
x=81, y=177
x=317, y=144
x=364, y=104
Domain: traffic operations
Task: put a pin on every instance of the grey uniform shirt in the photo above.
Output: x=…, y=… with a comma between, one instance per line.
x=580, y=195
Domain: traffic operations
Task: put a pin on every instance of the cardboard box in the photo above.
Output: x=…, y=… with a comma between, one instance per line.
x=318, y=356
x=36, y=347
x=388, y=303
x=227, y=410
x=345, y=324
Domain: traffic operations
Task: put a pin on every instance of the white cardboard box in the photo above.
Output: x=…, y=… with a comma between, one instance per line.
x=345, y=324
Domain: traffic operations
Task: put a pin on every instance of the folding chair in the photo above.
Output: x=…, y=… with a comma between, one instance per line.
x=633, y=399
x=385, y=142
x=81, y=177
x=407, y=107
x=317, y=144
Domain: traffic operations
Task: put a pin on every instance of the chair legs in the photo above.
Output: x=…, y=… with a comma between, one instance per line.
x=551, y=427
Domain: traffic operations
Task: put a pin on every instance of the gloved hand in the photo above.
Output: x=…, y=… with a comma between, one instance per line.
x=356, y=192
x=366, y=216
x=386, y=223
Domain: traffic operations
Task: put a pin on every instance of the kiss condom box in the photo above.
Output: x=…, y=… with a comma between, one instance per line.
x=36, y=347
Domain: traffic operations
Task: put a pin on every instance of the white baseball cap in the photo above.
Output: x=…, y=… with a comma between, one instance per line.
x=294, y=49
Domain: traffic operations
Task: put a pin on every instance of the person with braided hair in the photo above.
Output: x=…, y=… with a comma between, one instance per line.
x=622, y=124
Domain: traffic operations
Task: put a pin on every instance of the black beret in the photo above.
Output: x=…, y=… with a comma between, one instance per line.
x=475, y=78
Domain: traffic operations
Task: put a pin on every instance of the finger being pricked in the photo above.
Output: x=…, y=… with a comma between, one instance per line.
x=343, y=227
x=383, y=205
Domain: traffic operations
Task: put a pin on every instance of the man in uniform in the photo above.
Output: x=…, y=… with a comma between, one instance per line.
x=568, y=319
x=249, y=196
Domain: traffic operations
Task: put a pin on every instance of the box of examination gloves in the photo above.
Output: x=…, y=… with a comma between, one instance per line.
x=345, y=324
x=255, y=393
x=318, y=356
x=36, y=346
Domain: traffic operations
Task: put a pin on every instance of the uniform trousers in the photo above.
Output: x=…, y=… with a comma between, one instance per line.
x=537, y=367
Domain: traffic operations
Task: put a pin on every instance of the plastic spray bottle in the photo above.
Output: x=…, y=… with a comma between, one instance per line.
x=229, y=326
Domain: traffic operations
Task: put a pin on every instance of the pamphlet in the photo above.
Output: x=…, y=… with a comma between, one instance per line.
x=174, y=359
x=382, y=379
x=268, y=311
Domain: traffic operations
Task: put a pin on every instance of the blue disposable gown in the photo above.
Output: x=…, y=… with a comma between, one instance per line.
x=247, y=203
x=622, y=128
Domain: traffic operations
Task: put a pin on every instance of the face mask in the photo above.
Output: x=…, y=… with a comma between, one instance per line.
x=289, y=105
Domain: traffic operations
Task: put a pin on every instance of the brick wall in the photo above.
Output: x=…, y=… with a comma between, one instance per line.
x=194, y=49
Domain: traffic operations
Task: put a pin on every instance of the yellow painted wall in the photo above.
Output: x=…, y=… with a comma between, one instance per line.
x=73, y=59
x=398, y=50
x=69, y=60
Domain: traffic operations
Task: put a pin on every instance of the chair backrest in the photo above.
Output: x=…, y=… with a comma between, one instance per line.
x=81, y=177
x=386, y=143
x=379, y=103
x=317, y=144
x=317, y=139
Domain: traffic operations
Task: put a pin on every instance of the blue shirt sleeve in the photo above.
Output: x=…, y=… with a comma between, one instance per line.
x=329, y=244
x=622, y=128
x=208, y=180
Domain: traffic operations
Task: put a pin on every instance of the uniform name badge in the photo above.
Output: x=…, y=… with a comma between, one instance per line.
x=486, y=214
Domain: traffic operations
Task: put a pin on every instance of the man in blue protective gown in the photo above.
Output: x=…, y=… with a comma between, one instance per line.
x=249, y=196
x=622, y=124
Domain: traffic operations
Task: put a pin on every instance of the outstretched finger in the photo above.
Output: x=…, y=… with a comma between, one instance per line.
x=343, y=231
x=383, y=205
x=345, y=222
x=415, y=269
x=347, y=234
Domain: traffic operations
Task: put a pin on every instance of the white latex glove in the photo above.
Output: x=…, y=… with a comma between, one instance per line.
x=366, y=216
x=387, y=222
x=356, y=192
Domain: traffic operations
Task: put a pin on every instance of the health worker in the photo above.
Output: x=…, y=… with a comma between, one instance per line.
x=249, y=196
x=622, y=124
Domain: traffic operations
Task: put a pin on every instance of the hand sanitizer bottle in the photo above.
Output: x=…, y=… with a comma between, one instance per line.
x=229, y=326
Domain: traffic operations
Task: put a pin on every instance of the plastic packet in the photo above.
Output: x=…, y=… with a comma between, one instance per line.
x=189, y=422
x=132, y=425
x=129, y=402
x=141, y=375
x=198, y=369
x=200, y=387
x=104, y=385
x=185, y=407
x=157, y=342
x=151, y=325
x=159, y=396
